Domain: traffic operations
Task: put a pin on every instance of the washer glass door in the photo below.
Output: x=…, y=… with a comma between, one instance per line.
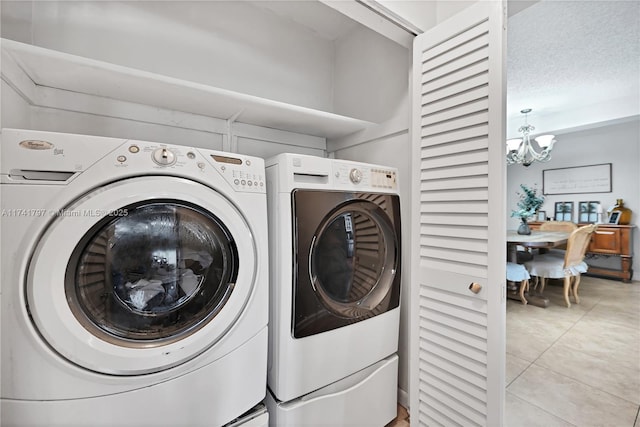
x=141, y=275
x=151, y=273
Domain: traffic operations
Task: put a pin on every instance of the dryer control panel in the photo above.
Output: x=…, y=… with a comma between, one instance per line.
x=356, y=176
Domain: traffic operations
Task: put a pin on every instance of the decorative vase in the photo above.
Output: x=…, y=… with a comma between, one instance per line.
x=625, y=213
x=524, y=227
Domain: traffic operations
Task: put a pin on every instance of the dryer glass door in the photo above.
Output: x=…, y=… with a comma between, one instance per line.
x=349, y=253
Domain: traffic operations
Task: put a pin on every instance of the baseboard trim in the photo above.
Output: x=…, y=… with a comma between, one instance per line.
x=403, y=398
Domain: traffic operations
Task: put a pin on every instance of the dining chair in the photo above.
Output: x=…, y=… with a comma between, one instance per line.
x=567, y=226
x=569, y=267
x=519, y=274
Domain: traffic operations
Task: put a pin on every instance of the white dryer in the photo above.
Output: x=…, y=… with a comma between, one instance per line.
x=134, y=282
x=334, y=291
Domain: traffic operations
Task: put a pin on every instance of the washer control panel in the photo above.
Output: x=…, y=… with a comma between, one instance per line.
x=243, y=173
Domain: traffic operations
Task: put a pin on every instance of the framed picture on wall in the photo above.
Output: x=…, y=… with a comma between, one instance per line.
x=576, y=180
x=563, y=211
x=588, y=212
x=614, y=217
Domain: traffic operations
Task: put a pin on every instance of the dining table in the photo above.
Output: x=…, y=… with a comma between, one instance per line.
x=538, y=239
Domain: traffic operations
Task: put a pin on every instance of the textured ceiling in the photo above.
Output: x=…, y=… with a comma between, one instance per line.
x=574, y=63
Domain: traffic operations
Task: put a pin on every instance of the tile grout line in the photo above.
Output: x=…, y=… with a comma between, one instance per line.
x=564, y=333
x=568, y=377
x=543, y=409
x=600, y=299
x=548, y=348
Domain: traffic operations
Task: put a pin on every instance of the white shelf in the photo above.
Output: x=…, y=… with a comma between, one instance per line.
x=49, y=68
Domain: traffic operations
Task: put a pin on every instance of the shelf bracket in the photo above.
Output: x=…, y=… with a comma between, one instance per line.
x=230, y=142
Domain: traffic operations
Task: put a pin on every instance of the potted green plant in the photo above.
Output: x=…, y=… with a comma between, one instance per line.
x=528, y=205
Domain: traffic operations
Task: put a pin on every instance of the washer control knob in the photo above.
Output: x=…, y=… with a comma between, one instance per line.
x=164, y=157
x=355, y=176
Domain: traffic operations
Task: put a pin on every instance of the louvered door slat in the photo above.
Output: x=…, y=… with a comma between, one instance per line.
x=455, y=164
x=463, y=257
x=454, y=148
x=439, y=170
x=466, y=379
x=433, y=196
x=430, y=128
x=430, y=106
x=471, y=82
x=459, y=208
x=459, y=243
x=441, y=321
x=459, y=412
x=473, y=64
x=433, y=49
x=454, y=380
x=453, y=220
x=469, y=108
x=470, y=207
x=455, y=136
x=446, y=230
x=473, y=407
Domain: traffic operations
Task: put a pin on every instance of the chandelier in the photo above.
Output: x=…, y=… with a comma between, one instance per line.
x=520, y=150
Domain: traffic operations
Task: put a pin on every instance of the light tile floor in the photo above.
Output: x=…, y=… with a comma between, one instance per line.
x=577, y=366
x=402, y=420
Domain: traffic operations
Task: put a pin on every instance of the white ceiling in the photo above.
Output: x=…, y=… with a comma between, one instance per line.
x=314, y=15
x=574, y=63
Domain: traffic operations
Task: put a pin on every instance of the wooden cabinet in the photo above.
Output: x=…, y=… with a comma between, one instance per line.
x=612, y=243
x=610, y=253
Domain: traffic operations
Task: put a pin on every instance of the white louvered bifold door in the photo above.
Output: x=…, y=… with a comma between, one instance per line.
x=458, y=193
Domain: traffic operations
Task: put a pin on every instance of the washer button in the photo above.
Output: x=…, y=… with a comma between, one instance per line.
x=236, y=181
x=243, y=182
x=122, y=159
x=134, y=149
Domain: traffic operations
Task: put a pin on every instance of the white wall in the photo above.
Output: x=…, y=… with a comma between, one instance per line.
x=14, y=111
x=370, y=76
x=16, y=20
x=618, y=144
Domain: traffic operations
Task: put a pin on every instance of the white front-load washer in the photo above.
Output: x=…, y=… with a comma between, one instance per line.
x=134, y=282
x=334, y=291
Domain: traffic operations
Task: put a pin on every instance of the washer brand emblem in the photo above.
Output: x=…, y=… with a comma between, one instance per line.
x=33, y=144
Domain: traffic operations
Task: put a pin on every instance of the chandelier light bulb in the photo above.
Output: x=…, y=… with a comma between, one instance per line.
x=513, y=144
x=545, y=140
